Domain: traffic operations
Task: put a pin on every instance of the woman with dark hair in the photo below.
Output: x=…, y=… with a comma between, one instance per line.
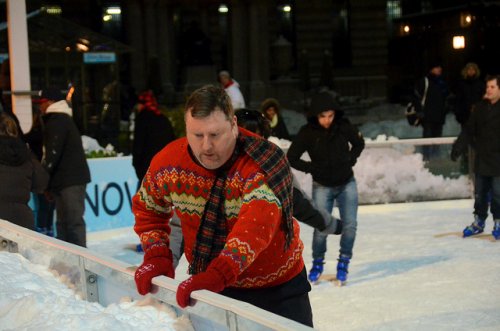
x=271, y=110
x=20, y=174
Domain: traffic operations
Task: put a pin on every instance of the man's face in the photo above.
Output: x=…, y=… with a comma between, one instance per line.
x=224, y=80
x=437, y=71
x=325, y=118
x=212, y=139
x=492, y=91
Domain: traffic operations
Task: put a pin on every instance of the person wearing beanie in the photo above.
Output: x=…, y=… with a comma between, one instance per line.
x=65, y=161
x=152, y=132
x=271, y=110
x=333, y=145
x=432, y=92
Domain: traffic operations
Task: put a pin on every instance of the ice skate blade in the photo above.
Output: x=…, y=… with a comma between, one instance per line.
x=329, y=278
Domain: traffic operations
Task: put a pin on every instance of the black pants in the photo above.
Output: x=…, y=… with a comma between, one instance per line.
x=45, y=214
x=431, y=130
x=290, y=300
x=70, y=207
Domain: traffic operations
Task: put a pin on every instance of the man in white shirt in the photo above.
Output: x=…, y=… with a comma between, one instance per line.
x=232, y=88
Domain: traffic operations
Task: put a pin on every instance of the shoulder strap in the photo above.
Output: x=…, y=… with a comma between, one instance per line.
x=426, y=86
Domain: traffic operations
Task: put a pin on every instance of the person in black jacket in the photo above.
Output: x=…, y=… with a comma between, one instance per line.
x=20, y=174
x=64, y=159
x=303, y=208
x=482, y=133
x=44, y=206
x=469, y=91
x=333, y=145
x=271, y=110
x=433, y=93
x=152, y=132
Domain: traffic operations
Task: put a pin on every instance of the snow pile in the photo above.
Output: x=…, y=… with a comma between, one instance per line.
x=389, y=175
x=395, y=174
x=94, y=150
x=33, y=299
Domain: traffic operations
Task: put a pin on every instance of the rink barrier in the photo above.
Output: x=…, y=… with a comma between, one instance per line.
x=105, y=280
x=414, y=142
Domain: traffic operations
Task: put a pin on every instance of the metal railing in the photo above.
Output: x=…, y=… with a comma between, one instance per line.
x=105, y=280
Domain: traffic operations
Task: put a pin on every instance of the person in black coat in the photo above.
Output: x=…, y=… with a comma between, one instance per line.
x=482, y=133
x=303, y=208
x=152, y=132
x=469, y=91
x=44, y=206
x=333, y=145
x=20, y=174
x=271, y=110
x=64, y=159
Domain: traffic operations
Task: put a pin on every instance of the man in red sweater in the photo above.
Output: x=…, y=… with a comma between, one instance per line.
x=232, y=192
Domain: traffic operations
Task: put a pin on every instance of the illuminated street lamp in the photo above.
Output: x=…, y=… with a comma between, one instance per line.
x=458, y=42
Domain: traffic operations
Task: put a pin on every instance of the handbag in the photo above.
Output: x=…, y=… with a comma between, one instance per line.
x=414, y=109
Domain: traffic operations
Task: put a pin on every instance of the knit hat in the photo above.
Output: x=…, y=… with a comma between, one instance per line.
x=434, y=64
x=322, y=102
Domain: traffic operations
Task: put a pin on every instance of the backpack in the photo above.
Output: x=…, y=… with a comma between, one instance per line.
x=414, y=109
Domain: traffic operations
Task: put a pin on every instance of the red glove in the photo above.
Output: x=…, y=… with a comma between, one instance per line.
x=217, y=276
x=157, y=262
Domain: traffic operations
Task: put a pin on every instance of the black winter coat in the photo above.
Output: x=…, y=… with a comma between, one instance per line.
x=468, y=93
x=64, y=157
x=280, y=130
x=482, y=132
x=152, y=132
x=332, y=157
x=20, y=174
x=434, y=109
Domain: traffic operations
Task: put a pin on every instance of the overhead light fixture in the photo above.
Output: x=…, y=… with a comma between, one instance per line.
x=82, y=47
x=458, y=42
x=287, y=8
x=223, y=9
x=107, y=18
x=466, y=19
x=113, y=11
x=53, y=10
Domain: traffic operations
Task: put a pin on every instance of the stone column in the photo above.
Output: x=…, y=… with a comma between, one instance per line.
x=259, y=52
x=238, y=57
x=166, y=49
x=133, y=22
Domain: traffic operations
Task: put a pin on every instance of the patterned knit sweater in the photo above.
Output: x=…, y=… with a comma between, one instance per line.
x=254, y=247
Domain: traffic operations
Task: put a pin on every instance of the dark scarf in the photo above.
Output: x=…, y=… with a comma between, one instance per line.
x=212, y=233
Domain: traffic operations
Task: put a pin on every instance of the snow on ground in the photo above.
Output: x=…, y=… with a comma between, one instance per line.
x=411, y=270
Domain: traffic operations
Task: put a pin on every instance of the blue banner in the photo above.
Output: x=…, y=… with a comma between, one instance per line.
x=108, y=200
